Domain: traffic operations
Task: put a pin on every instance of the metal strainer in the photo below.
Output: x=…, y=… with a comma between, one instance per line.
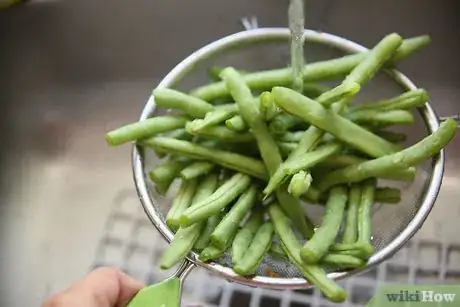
x=268, y=48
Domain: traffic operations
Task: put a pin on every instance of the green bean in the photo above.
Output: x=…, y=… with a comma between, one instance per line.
x=312, y=195
x=292, y=166
x=286, y=148
x=211, y=252
x=365, y=215
x=410, y=156
x=167, y=171
x=335, y=260
x=327, y=98
x=299, y=184
x=281, y=123
x=323, y=70
x=360, y=74
x=291, y=246
x=291, y=136
x=205, y=237
x=340, y=161
x=382, y=195
x=230, y=223
x=236, y=123
x=309, y=140
x=350, y=250
x=409, y=46
x=249, y=149
x=309, y=89
x=185, y=238
x=267, y=145
x=244, y=236
x=215, y=117
x=356, y=249
x=364, y=223
x=179, y=134
x=405, y=174
x=180, y=246
x=206, y=188
x=162, y=187
x=377, y=117
x=325, y=235
x=343, y=91
x=267, y=106
x=408, y=100
x=391, y=136
x=164, y=175
x=227, y=159
x=160, y=154
x=350, y=234
x=371, y=63
x=277, y=251
x=221, y=133
x=181, y=202
x=230, y=190
x=380, y=54
x=144, y=129
x=342, y=261
x=311, y=158
x=314, y=90
x=196, y=169
x=256, y=250
x=387, y=195
x=342, y=128
x=214, y=72
x=172, y=99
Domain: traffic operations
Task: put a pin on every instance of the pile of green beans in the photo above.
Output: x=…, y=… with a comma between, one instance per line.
x=249, y=151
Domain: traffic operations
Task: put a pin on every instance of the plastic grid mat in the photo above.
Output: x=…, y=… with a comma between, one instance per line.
x=131, y=243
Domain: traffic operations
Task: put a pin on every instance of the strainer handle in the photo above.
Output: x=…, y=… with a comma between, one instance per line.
x=166, y=293
x=455, y=117
x=184, y=269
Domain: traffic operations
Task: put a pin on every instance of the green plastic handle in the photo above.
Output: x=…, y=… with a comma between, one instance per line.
x=163, y=294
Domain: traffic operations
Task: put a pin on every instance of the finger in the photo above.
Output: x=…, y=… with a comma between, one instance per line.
x=104, y=287
x=108, y=287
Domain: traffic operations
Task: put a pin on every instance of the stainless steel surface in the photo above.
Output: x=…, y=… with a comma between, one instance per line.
x=71, y=70
x=387, y=240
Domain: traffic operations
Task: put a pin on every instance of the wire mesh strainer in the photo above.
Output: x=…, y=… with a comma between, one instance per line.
x=268, y=48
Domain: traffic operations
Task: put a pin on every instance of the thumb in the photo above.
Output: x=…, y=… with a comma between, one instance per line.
x=104, y=287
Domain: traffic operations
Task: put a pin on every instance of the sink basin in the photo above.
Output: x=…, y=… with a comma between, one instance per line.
x=71, y=70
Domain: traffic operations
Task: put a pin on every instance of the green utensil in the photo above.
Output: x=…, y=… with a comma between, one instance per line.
x=163, y=294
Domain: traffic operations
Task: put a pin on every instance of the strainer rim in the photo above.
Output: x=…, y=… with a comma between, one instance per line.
x=261, y=34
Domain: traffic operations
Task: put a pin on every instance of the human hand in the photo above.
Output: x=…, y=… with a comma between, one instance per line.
x=104, y=287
